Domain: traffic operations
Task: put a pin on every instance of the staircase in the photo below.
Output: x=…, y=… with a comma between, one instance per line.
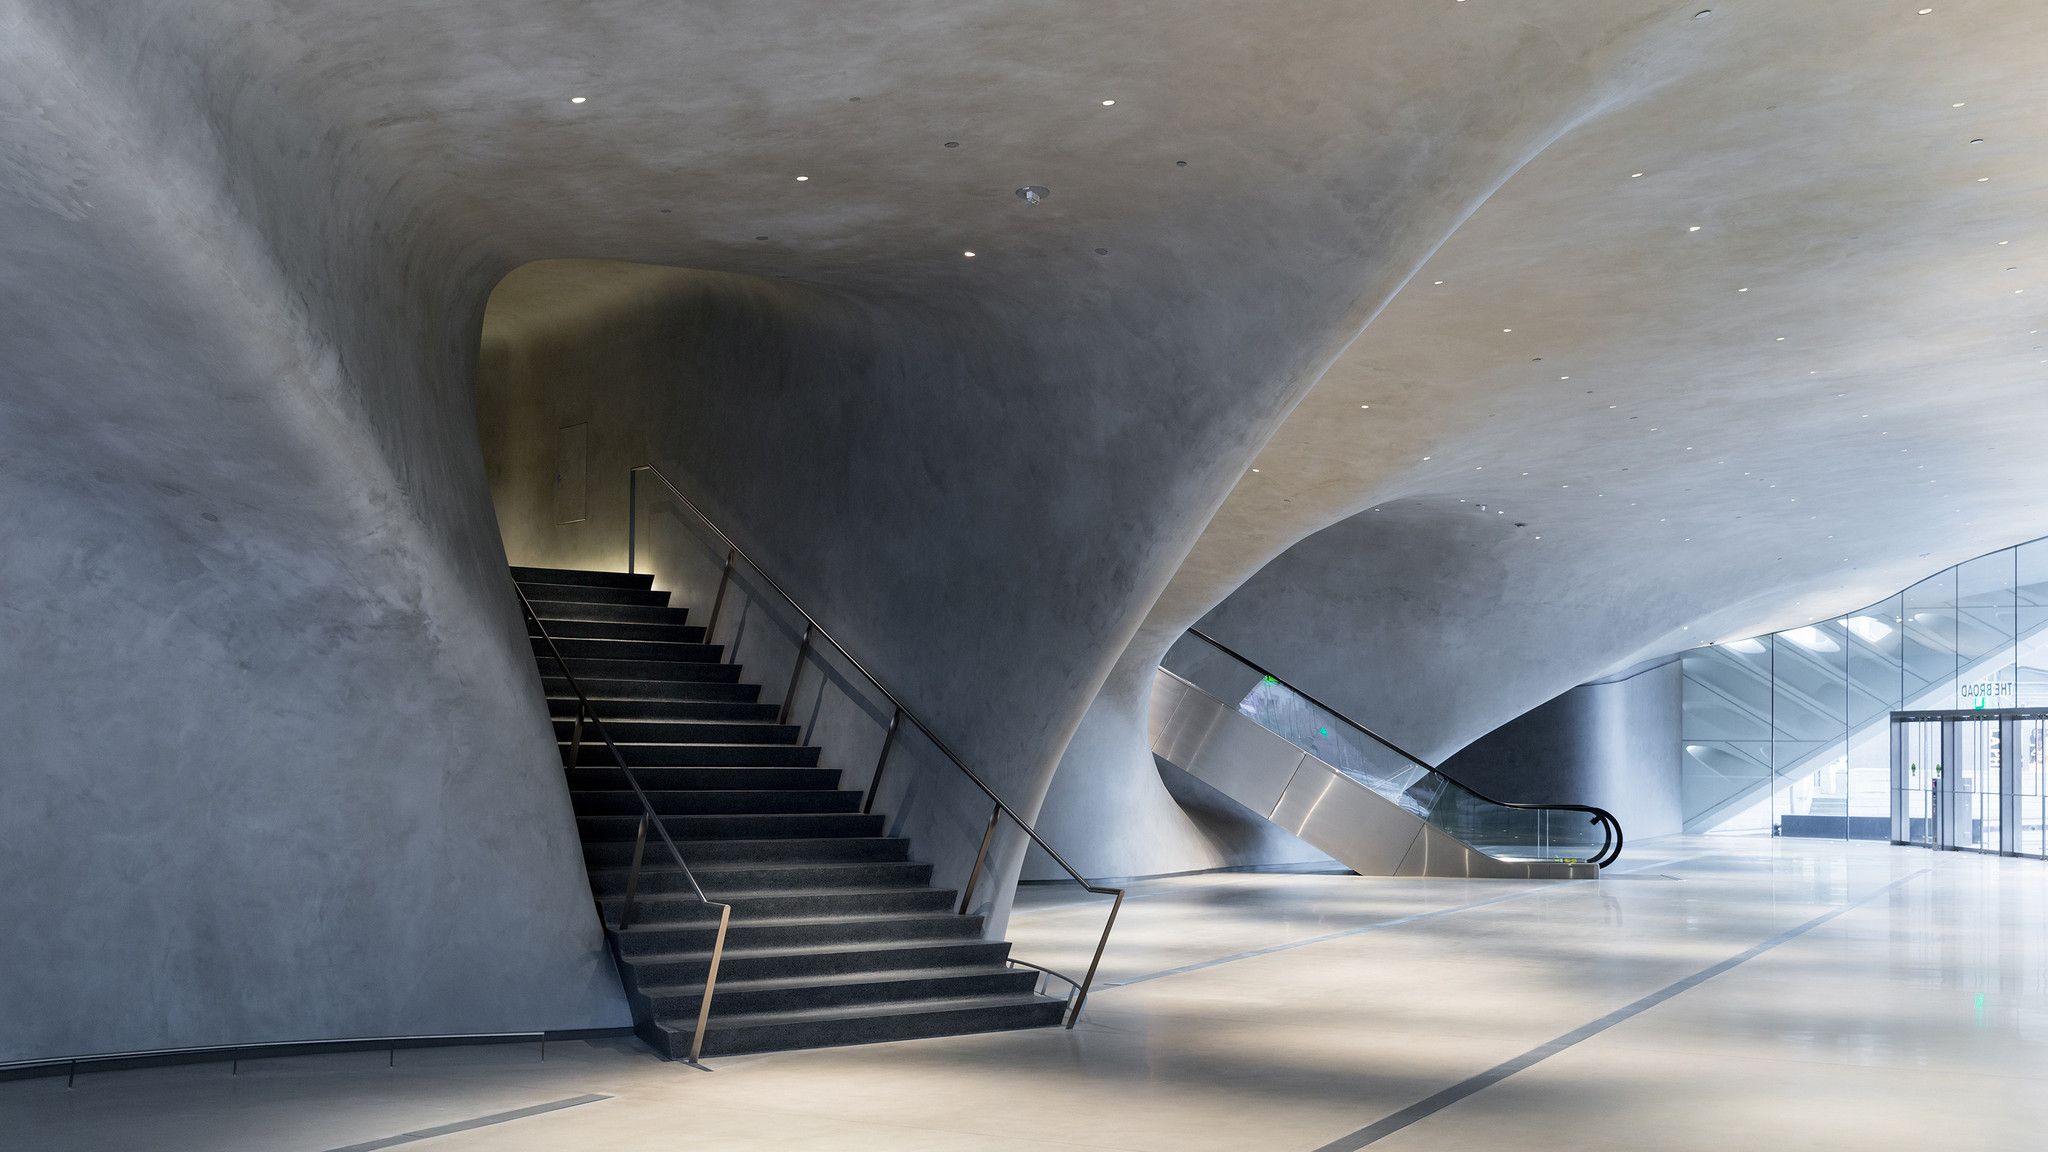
x=836, y=937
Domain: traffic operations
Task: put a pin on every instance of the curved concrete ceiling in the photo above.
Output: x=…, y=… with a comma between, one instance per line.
x=1761, y=343
x=242, y=231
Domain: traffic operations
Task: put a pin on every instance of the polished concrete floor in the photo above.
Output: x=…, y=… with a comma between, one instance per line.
x=1708, y=993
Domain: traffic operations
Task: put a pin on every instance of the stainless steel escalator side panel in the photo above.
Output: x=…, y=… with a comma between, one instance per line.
x=1358, y=827
x=1207, y=739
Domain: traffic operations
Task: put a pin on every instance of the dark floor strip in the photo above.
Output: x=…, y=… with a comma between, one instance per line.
x=1373, y=1133
x=467, y=1125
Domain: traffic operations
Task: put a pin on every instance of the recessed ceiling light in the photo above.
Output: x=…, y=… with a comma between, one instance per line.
x=1983, y=179
x=1781, y=338
x=1635, y=175
x=1957, y=104
x=801, y=179
x=1107, y=103
x=1923, y=12
x=577, y=99
x=1440, y=282
x=1365, y=405
x=1694, y=228
x=969, y=255
x=1255, y=469
x=1564, y=377
x=1742, y=289
x=1425, y=457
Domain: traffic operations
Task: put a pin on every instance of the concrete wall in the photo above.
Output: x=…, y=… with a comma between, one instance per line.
x=275, y=766
x=1613, y=743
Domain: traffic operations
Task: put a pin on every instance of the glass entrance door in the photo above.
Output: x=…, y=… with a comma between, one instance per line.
x=1974, y=801
x=1917, y=757
x=2027, y=802
x=1976, y=780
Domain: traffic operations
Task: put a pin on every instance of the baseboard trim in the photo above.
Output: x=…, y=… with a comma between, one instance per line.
x=69, y=1066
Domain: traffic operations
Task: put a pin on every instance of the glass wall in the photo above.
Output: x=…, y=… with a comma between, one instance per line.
x=1789, y=733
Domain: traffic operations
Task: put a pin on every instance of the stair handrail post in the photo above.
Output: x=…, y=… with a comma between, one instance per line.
x=632, y=517
x=710, y=983
x=576, y=737
x=718, y=601
x=974, y=873
x=633, y=874
x=900, y=713
x=1081, y=992
x=867, y=804
x=796, y=672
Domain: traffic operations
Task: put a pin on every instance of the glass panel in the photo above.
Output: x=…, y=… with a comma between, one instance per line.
x=1929, y=613
x=1725, y=727
x=2030, y=787
x=1985, y=623
x=1809, y=754
x=2033, y=624
x=1876, y=647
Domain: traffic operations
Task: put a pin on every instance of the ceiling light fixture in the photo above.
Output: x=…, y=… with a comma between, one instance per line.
x=577, y=99
x=801, y=179
x=1694, y=228
x=1635, y=175
x=1107, y=103
x=1033, y=193
x=969, y=255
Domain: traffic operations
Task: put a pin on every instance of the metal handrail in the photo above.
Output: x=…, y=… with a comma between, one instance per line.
x=1610, y=828
x=901, y=713
x=647, y=815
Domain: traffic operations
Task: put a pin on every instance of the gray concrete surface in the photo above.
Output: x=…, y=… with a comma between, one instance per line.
x=1691, y=475
x=1612, y=743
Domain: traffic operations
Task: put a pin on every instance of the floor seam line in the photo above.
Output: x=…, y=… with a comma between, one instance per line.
x=1430, y=1106
x=471, y=1124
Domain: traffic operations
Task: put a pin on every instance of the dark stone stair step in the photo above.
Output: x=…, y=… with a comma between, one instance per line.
x=608, y=779
x=673, y=910
x=721, y=682
x=623, y=613
x=745, y=997
x=582, y=577
x=739, y=880
x=631, y=651
x=560, y=628
x=800, y=932
x=710, y=802
x=596, y=754
x=863, y=1024
x=684, y=731
x=537, y=591
x=817, y=850
x=691, y=832
x=689, y=966
x=630, y=711
x=586, y=670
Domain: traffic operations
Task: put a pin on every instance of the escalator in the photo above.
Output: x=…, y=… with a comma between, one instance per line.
x=1372, y=807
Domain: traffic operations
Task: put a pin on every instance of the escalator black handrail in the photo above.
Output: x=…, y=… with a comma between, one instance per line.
x=1611, y=838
